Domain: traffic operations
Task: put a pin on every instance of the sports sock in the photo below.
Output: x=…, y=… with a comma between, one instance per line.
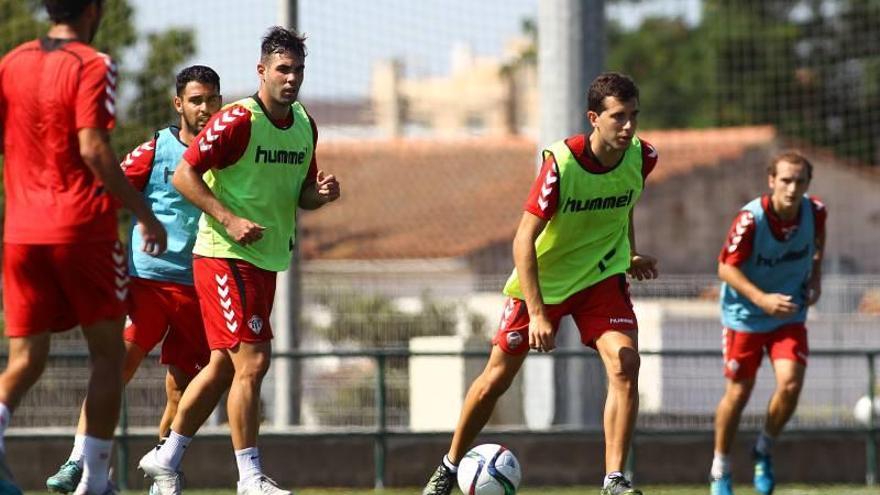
x=249, y=465
x=5, y=415
x=171, y=452
x=96, y=465
x=76, y=453
x=449, y=465
x=612, y=474
x=764, y=443
x=720, y=465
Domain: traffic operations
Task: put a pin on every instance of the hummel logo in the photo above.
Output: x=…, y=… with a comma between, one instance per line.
x=221, y=280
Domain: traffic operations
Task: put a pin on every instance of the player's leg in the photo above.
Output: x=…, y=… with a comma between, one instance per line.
x=788, y=351
x=620, y=356
x=605, y=319
x=69, y=474
x=789, y=383
x=145, y=329
x=508, y=353
x=196, y=404
x=176, y=382
x=742, y=357
x=34, y=304
x=95, y=280
x=185, y=351
x=26, y=362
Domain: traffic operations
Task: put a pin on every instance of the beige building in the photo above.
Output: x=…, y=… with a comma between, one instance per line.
x=480, y=97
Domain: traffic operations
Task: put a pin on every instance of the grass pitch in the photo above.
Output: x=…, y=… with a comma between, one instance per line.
x=581, y=490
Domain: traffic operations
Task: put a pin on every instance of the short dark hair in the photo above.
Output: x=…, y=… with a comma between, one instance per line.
x=608, y=84
x=282, y=40
x=198, y=73
x=67, y=10
x=790, y=156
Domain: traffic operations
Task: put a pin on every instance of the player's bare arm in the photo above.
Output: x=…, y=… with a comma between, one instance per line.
x=94, y=147
x=324, y=190
x=814, y=285
x=525, y=258
x=642, y=266
x=191, y=185
x=774, y=304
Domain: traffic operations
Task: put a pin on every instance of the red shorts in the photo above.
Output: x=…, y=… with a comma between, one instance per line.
x=236, y=299
x=171, y=311
x=54, y=287
x=601, y=307
x=743, y=350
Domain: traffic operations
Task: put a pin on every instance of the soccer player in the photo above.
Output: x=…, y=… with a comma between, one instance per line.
x=770, y=267
x=63, y=264
x=258, y=160
x=162, y=299
x=572, y=249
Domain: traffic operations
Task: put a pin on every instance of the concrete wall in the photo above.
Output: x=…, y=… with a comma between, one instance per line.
x=683, y=219
x=548, y=459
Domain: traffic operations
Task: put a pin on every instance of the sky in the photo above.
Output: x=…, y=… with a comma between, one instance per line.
x=346, y=36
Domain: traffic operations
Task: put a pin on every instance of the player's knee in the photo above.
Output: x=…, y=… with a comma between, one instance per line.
x=27, y=367
x=254, y=368
x=491, y=386
x=791, y=388
x=739, y=395
x=624, y=370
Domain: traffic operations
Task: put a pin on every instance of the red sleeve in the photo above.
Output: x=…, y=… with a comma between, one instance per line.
x=820, y=215
x=544, y=195
x=649, y=158
x=96, y=96
x=740, y=239
x=138, y=164
x=223, y=140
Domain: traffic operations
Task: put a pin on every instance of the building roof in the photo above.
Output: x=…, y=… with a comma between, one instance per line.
x=405, y=199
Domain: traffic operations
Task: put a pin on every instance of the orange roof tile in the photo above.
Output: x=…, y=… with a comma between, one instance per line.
x=405, y=199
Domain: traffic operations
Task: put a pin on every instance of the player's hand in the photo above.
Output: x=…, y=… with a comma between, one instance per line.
x=814, y=290
x=154, y=236
x=327, y=187
x=642, y=267
x=777, y=305
x=541, y=336
x=244, y=231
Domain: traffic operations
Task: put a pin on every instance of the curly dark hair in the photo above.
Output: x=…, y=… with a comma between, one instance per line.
x=282, y=40
x=608, y=84
x=198, y=73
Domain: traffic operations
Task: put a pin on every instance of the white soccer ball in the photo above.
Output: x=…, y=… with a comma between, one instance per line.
x=862, y=410
x=489, y=469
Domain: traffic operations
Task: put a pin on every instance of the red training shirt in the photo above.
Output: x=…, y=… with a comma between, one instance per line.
x=49, y=90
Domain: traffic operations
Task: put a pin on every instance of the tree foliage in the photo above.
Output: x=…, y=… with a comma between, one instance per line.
x=145, y=91
x=811, y=68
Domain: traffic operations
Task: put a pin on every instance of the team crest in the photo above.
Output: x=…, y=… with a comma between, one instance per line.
x=733, y=365
x=255, y=324
x=514, y=339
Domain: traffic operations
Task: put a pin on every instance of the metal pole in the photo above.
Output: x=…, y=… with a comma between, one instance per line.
x=288, y=13
x=286, y=316
x=571, y=49
x=871, y=440
x=380, y=448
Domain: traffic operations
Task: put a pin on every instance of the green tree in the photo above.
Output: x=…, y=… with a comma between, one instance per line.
x=21, y=20
x=809, y=67
x=676, y=83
